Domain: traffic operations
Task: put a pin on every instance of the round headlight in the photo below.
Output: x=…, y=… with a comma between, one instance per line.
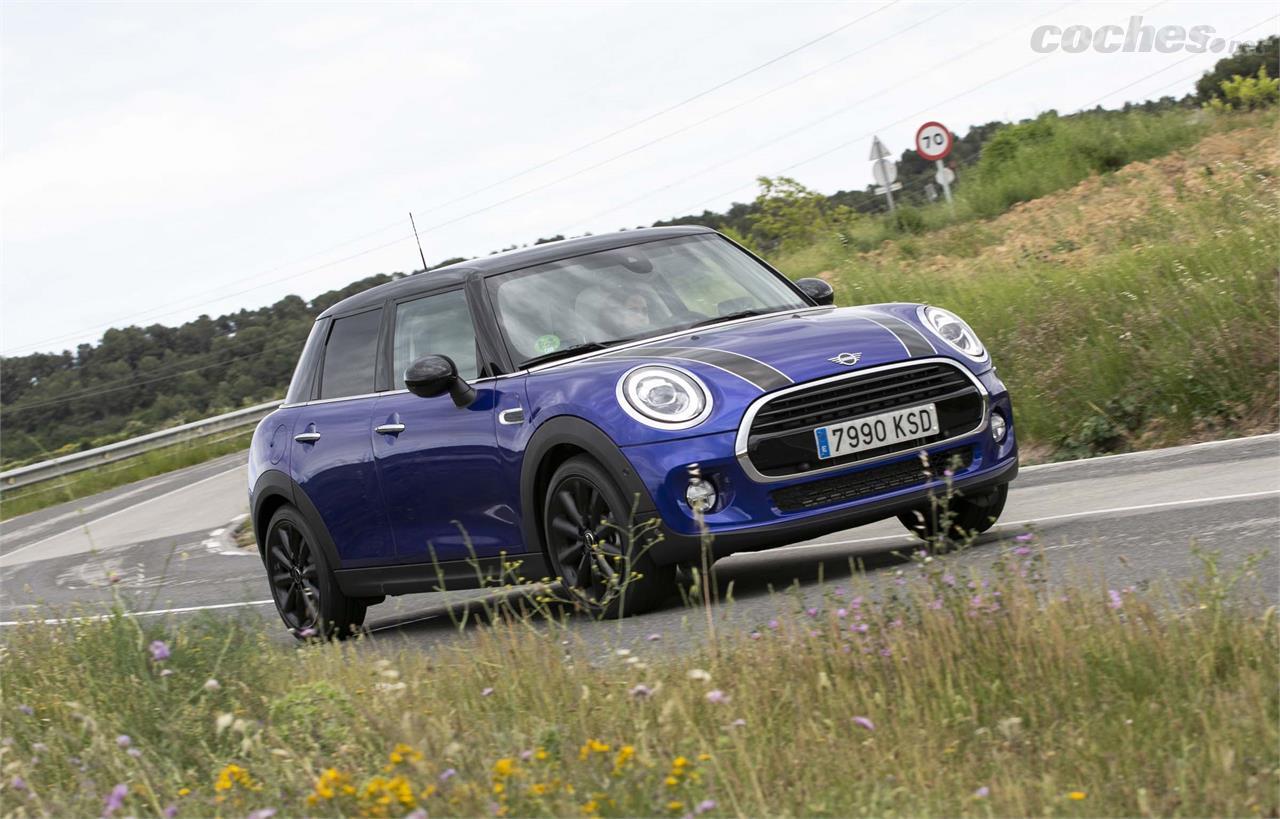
x=952, y=329
x=672, y=398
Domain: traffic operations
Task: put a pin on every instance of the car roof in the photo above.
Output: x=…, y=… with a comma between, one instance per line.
x=504, y=262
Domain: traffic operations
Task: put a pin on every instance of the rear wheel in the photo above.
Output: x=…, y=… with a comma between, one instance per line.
x=958, y=519
x=305, y=591
x=601, y=559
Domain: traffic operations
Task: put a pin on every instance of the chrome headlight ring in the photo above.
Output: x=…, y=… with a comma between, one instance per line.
x=664, y=397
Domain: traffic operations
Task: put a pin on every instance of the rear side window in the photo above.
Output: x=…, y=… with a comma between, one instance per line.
x=350, y=355
x=435, y=325
x=304, y=374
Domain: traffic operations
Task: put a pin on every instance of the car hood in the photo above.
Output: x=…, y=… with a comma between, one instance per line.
x=777, y=350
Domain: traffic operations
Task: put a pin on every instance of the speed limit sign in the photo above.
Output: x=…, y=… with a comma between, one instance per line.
x=933, y=141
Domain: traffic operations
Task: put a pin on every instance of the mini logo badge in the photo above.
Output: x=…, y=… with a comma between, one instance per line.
x=846, y=359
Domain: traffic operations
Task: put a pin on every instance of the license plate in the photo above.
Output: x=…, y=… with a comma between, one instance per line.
x=876, y=431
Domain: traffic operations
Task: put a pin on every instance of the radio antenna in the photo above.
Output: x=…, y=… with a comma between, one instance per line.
x=421, y=255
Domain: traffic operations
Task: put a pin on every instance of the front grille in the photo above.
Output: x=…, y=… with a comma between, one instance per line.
x=780, y=441
x=871, y=481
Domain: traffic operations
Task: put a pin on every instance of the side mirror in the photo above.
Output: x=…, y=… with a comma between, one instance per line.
x=434, y=375
x=817, y=290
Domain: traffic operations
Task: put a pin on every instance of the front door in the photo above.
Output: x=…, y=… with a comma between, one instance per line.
x=439, y=464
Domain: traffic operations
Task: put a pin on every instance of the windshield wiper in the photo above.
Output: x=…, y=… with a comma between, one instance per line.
x=588, y=347
x=729, y=317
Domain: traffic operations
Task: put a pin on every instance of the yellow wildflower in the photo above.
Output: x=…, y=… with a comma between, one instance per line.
x=622, y=758
x=184, y=791
x=704, y=757
x=1076, y=795
x=504, y=767
x=590, y=807
x=672, y=781
x=675, y=806
x=679, y=762
x=538, y=789
x=540, y=754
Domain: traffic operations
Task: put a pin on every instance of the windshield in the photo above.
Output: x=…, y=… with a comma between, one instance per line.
x=631, y=292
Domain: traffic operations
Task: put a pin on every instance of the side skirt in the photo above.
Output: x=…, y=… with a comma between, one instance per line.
x=451, y=575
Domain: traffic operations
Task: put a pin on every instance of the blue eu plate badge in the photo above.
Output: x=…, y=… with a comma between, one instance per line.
x=824, y=447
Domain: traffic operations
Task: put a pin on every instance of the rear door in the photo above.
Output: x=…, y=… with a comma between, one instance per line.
x=446, y=486
x=332, y=458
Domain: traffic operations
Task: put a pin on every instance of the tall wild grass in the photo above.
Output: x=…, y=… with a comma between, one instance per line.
x=960, y=693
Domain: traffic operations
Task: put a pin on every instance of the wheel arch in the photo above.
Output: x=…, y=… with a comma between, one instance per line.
x=275, y=489
x=556, y=441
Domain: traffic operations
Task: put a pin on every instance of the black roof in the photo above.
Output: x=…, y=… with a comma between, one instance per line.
x=504, y=262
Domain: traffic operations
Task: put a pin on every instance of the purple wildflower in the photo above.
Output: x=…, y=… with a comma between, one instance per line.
x=18, y=783
x=170, y=811
x=641, y=691
x=124, y=741
x=949, y=579
x=861, y=628
x=447, y=774
x=486, y=692
x=886, y=652
x=1025, y=537
x=115, y=799
x=307, y=632
x=936, y=603
x=811, y=611
x=26, y=709
x=1022, y=551
x=135, y=753
x=948, y=473
x=420, y=813
x=983, y=792
x=738, y=723
x=159, y=650
x=755, y=635
x=773, y=624
x=263, y=813
x=864, y=722
x=704, y=806
x=842, y=613
x=1116, y=601
x=717, y=696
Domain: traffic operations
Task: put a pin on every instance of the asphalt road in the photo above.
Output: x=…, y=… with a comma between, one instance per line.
x=163, y=547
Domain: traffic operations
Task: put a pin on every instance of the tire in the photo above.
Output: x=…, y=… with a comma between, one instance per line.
x=969, y=516
x=303, y=587
x=601, y=562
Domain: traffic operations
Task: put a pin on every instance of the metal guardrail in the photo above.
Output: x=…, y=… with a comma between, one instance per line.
x=120, y=450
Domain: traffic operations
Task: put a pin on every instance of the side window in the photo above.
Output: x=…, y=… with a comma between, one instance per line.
x=304, y=373
x=435, y=325
x=350, y=355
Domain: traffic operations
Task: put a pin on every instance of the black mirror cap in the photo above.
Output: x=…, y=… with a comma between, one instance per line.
x=818, y=290
x=434, y=375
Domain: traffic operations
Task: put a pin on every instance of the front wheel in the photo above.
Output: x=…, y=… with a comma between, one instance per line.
x=305, y=591
x=959, y=518
x=602, y=560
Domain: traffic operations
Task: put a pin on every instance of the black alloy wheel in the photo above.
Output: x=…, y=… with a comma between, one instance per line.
x=294, y=577
x=303, y=586
x=602, y=562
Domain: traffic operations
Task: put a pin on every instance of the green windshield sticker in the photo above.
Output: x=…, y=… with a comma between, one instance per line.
x=546, y=344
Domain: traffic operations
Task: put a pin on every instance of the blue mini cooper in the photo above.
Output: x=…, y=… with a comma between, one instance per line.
x=600, y=411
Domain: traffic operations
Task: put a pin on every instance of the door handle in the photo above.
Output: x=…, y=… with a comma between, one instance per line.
x=307, y=437
x=389, y=429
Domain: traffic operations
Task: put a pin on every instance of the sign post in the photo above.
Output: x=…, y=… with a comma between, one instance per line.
x=934, y=142
x=885, y=171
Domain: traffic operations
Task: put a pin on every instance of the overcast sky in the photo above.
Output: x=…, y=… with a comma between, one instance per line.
x=166, y=160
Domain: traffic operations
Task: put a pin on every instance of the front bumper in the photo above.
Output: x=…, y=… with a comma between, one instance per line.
x=753, y=515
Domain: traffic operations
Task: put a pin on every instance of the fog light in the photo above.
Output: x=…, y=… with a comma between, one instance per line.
x=998, y=427
x=701, y=495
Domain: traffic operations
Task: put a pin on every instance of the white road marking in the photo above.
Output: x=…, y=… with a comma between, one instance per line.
x=91, y=617
x=1150, y=452
x=1014, y=524
x=109, y=515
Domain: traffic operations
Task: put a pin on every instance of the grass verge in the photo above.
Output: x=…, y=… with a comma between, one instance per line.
x=957, y=694
x=77, y=485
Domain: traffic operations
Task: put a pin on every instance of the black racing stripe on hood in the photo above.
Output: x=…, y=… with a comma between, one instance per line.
x=912, y=339
x=745, y=367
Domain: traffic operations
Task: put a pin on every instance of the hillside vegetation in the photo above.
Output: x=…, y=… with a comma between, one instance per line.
x=1133, y=309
